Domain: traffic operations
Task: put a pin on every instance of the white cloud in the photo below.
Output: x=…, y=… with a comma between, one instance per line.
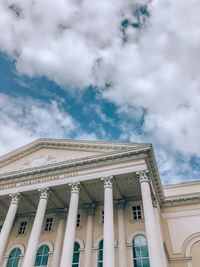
x=23, y=120
x=78, y=43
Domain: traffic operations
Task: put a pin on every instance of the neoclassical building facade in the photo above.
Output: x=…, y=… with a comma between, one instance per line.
x=67, y=203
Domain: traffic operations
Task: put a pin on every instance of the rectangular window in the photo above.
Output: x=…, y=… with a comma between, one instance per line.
x=48, y=224
x=78, y=220
x=137, y=212
x=22, y=228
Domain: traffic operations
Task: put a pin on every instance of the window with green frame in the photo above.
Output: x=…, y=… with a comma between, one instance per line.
x=140, y=251
x=13, y=259
x=42, y=256
x=100, y=254
x=76, y=255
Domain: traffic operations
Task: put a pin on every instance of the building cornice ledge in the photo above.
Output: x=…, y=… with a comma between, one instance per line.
x=73, y=164
x=181, y=200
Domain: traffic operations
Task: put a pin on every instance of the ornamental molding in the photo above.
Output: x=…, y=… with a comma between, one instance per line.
x=56, y=172
x=127, y=153
x=154, y=202
x=143, y=176
x=15, y=198
x=75, y=187
x=44, y=193
x=73, y=164
x=181, y=200
x=66, y=144
x=108, y=181
x=37, y=181
x=90, y=209
x=120, y=204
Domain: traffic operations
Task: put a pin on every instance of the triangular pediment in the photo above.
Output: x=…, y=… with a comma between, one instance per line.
x=45, y=152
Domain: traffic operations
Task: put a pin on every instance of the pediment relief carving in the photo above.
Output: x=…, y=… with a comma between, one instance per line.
x=45, y=156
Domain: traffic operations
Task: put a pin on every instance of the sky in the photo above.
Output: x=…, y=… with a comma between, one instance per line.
x=115, y=70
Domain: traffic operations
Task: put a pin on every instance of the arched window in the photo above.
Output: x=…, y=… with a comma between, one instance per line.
x=140, y=251
x=100, y=254
x=42, y=256
x=13, y=260
x=76, y=255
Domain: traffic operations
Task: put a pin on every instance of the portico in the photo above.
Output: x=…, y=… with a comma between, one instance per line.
x=110, y=182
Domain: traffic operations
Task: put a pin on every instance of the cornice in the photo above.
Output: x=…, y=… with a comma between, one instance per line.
x=66, y=144
x=73, y=165
x=181, y=200
x=154, y=172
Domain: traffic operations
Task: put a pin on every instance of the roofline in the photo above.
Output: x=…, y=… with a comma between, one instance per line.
x=181, y=184
x=66, y=141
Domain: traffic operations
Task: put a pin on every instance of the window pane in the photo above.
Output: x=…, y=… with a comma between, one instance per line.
x=146, y=263
x=137, y=263
x=42, y=256
x=13, y=260
x=140, y=252
x=100, y=254
x=76, y=254
x=144, y=251
x=136, y=252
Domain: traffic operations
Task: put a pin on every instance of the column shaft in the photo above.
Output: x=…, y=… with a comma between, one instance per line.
x=155, y=256
x=89, y=236
x=7, y=226
x=108, y=228
x=31, y=251
x=160, y=236
x=59, y=240
x=121, y=235
x=68, y=246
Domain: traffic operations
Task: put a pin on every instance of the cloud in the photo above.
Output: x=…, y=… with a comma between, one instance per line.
x=23, y=120
x=150, y=72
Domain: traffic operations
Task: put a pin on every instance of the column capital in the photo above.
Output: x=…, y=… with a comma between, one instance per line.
x=120, y=204
x=143, y=176
x=75, y=187
x=90, y=209
x=154, y=202
x=44, y=193
x=15, y=198
x=108, y=181
x=62, y=214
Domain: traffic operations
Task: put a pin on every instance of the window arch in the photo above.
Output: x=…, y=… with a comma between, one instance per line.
x=76, y=255
x=14, y=257
x=42, y=256
x=140, y=251
x=100, y=254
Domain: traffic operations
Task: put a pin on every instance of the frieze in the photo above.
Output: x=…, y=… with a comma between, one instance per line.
x=38, y=181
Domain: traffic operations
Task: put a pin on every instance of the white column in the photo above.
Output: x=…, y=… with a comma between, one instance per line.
x=29, y=259
x=108, y=226
x=155, y=256
x=7, y=226
x=160, y=236
x=122, y=257
x=68, y=246
x=90, y=210
x=59, y=239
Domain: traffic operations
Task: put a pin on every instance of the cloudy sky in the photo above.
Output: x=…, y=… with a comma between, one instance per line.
x=119, y=70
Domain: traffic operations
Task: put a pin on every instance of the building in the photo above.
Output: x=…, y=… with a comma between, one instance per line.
x=92, y=204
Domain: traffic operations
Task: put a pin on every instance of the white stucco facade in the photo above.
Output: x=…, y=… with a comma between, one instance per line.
x=58, y=193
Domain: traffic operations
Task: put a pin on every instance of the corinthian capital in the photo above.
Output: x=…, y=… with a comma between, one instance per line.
x=143, y=176
x=90, y=209
x=75, y=187
x=120, y=204
x=44, y=193
x=108, y=181
x=15, y=198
